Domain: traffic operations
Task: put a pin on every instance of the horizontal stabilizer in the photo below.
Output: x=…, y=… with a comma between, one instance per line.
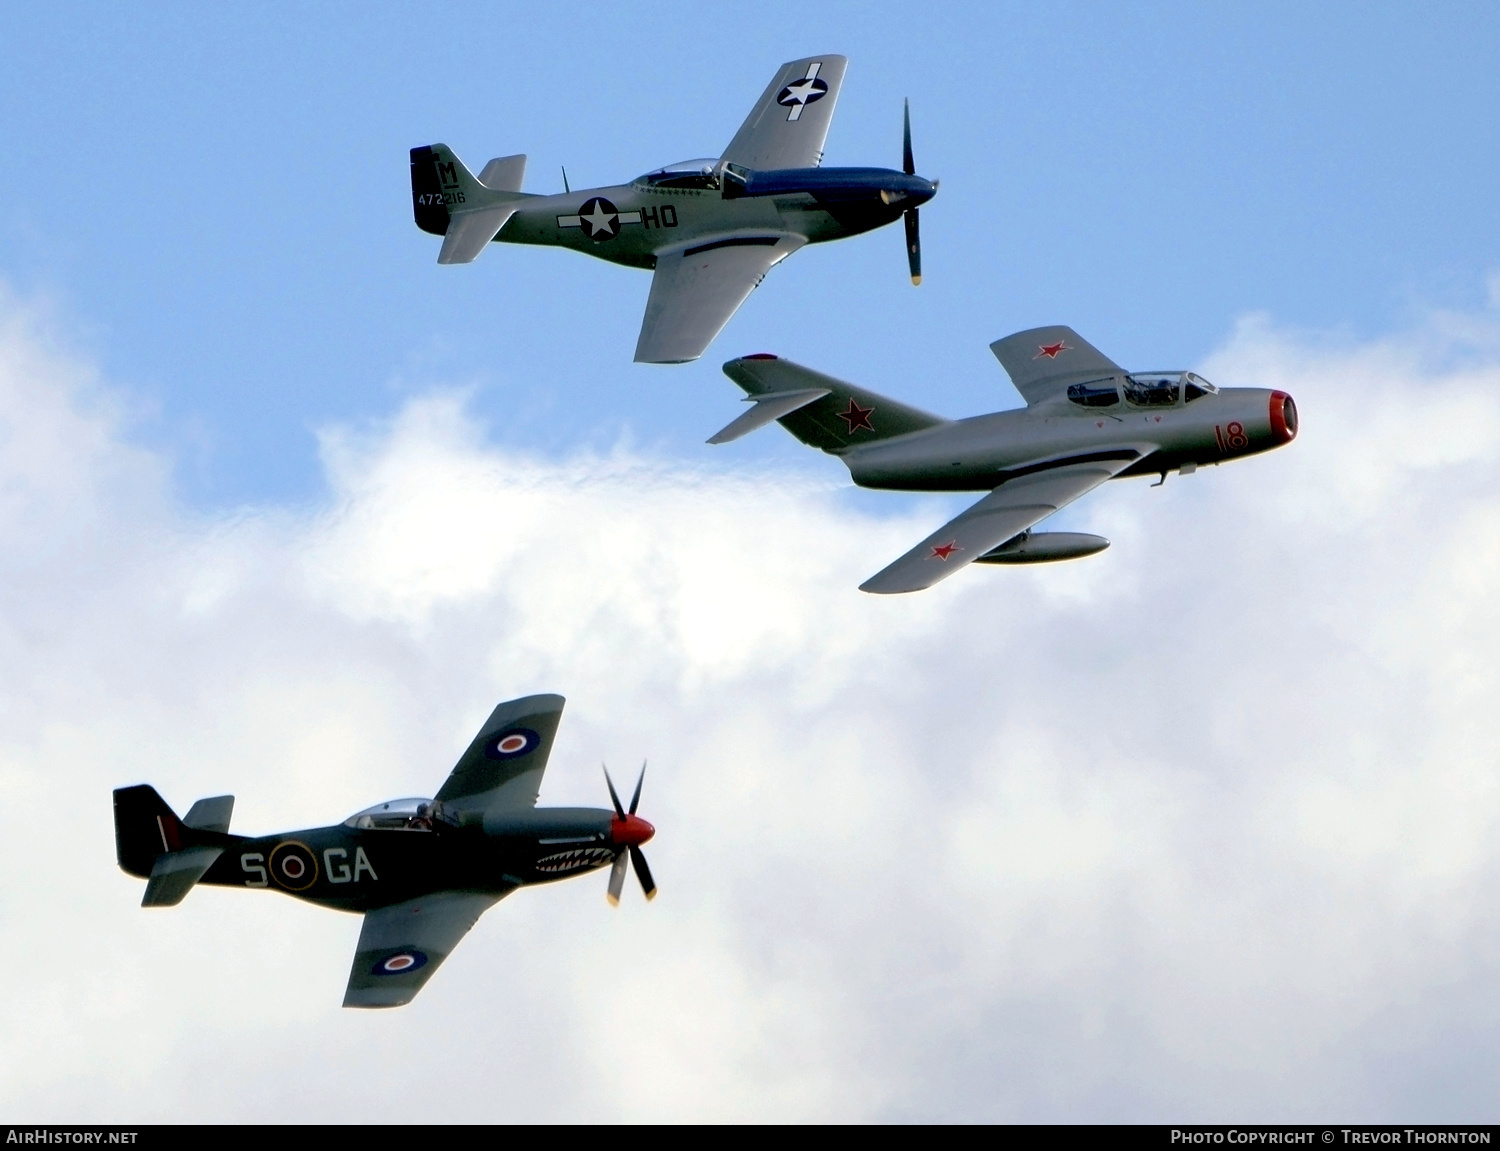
x=469, y=232
x=504, y=174
x=844, y=416
x=768, y=406
x=210, y=814
x=175, y=872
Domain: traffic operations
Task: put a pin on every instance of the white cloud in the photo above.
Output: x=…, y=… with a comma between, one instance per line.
x=1202, y=828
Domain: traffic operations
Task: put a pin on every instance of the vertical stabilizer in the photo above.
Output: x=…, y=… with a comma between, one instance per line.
x=468, y=213
x=173, y=854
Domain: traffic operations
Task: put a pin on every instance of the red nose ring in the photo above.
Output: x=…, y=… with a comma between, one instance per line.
x=1283, y=418
x=630, y=831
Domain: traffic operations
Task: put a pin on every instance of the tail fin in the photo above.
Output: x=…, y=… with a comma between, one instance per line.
x=447, y=200
x=152, y=843
x=145, y=827
x=845, y=417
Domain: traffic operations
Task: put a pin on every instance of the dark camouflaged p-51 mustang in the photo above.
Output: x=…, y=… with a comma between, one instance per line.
x=422, y=871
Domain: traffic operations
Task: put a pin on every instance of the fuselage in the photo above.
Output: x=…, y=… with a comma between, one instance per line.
x=369, y=862
x=682, y=205
x=982, y=452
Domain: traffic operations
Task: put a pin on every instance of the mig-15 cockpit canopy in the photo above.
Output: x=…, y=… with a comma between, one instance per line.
x=1142, y=390
x=412, y=814
x=684, y=174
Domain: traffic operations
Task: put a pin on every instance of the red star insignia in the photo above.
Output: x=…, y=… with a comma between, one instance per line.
x=857, y=417
x=946, y=550
x=1051, y=351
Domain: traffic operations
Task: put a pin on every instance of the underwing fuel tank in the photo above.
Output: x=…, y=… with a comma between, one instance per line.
x=1044, y=548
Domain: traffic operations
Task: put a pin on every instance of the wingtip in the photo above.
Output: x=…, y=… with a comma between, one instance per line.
x=873, y=586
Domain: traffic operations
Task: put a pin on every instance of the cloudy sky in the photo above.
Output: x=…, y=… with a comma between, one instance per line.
x=1201, y=828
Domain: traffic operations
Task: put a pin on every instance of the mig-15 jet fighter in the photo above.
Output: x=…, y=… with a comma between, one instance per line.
x=1086, y=420
x=421, y=870
x=711, y=229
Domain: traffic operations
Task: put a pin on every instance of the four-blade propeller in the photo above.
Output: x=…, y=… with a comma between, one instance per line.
x=629, y=831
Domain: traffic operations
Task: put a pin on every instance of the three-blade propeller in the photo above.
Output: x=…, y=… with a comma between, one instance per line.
x=629, y=831
x=909, y=217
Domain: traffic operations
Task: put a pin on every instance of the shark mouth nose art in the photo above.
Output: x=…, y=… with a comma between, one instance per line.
x=578, y=858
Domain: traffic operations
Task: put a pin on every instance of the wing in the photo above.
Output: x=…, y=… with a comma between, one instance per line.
x=789, y=122
x=502, y=770
x=402, y=945
x=1007, y=511
x=697, y=287
x=1042, y=362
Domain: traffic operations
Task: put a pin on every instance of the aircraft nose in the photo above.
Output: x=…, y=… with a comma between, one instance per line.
x=632, y=831
x=911, y=192
x=1283, y=417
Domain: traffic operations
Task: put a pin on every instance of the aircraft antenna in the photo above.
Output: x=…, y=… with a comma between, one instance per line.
x=566, y=189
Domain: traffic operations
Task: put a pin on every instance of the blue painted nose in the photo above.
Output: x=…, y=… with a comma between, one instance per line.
x=909, y=191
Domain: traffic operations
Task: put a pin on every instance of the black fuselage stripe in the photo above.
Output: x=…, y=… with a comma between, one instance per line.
x=737, y=242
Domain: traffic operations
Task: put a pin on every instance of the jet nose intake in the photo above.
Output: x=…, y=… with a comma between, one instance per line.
x=1283, y=417
x=631, y=831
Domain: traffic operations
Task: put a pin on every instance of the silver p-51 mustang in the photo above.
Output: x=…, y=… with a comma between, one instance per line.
x=711, y=229
x=1086, y=420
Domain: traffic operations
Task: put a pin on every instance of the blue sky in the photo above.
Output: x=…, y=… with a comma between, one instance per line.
x=1204, y=828
x=216, y=199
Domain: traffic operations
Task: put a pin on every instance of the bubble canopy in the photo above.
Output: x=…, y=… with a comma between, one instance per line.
x=685, y=174
x=411, y=814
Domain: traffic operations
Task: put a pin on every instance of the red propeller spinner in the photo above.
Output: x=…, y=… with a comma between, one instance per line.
x=628, y=831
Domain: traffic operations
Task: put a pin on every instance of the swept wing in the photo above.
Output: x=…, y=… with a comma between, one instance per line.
x=1042, y=362
x=402, y=945
x=789, y=122
x=1007, y=511
x=502, y=769
x=699, y=286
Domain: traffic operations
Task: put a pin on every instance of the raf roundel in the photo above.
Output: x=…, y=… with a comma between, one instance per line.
x=402, y=963
x=512, y=743
x=293, y=866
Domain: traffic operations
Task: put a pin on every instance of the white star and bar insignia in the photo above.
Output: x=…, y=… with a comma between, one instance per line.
x=800, y=93
x=599, y=219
